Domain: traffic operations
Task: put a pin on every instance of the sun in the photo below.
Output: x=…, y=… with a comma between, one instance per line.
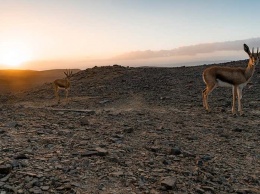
x=13, y=55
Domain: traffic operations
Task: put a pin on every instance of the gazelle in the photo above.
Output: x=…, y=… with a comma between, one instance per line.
x=235, y=77
x=63, y=84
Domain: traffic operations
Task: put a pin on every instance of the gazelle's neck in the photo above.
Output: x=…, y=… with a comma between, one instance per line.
x=249, y=71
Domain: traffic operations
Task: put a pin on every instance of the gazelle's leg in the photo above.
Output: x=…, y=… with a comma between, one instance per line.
x=56, y=90
x=239, y=97
x=58, y=95
x=67, y=93
x=203, y=97
x=206, y=93
x=234, y=91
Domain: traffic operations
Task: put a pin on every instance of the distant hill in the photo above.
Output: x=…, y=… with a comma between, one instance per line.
x=119, y=82
x=19, y=80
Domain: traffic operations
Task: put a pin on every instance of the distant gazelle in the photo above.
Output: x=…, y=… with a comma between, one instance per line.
x=63, y=84
x=235, y=77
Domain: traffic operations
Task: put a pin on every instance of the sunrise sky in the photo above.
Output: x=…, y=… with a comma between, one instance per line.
x=79, y=30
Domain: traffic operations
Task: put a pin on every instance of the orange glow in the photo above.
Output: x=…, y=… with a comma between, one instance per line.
x=14, y=54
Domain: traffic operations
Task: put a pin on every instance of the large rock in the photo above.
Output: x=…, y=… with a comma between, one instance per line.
x=5, y=169
x=169, y=183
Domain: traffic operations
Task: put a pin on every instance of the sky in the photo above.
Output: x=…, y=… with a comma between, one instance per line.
x=69, y=30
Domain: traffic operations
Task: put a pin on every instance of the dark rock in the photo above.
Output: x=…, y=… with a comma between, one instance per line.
x=129, y=130
x=104, y=101
x=245, y=191
x=84, y=121
x=237, y=129
x=116, y=140
x=206, y=157
x=188, y=154
x=175, y=151
x=166, y=162
x=5, y=169
x=199, y=190
x=21, y=156
x=89, y=153
x=207, y=188
x=101, y=186
x=114, y=159
x=199, y=163
x=153, y=148
x=96, y=152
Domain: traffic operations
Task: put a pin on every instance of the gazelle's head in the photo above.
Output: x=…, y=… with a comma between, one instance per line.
x=253, y=57
x=68, y=74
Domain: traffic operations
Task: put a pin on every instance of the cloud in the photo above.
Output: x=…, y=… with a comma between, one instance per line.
x=190, y=50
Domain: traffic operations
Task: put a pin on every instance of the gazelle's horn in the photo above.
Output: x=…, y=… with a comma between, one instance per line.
x=252, y=50
x=66, y=72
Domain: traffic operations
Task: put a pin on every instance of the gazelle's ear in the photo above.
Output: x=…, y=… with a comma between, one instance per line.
x=247, y=50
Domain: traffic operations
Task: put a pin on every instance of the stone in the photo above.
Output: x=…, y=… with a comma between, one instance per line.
x=89, y=153
x=206, y=157
x=84, y=121
x=188, y=154
x=12, y=124
x=129, y=130
x=4, y=179
x=175, y=151
x=35, y=190
x=238, y=129
x=21, y=156
x=102, y=151
x=96, y=152
x=104, y=101
x=45, y=188
x=169, y=183
x=117, y=173
x=5, y=169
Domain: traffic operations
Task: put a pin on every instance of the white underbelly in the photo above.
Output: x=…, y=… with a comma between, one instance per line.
x=62, y=88
x=223, y=84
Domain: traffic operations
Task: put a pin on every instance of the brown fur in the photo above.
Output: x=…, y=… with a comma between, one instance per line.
x=236, y=77
x=62, y=84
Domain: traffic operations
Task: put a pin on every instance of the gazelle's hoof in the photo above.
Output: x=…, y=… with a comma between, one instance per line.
x=234, y=115
x=208, y=110
x=242, y=113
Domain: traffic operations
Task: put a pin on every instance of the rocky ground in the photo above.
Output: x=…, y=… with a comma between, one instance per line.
x=130, y=130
